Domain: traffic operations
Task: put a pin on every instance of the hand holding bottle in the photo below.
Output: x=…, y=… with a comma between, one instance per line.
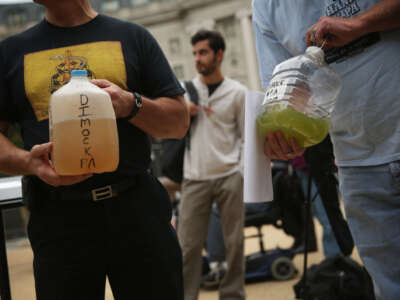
x=333, y=32
x=277, y=147
x=122, y=101
x=42, y=167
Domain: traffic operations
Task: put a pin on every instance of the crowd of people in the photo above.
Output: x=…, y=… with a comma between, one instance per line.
x=78, y=242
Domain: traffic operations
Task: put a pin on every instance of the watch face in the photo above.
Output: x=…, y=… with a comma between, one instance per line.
x=138, y=99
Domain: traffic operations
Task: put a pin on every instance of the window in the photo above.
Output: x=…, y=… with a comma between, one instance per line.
x=175, y=46
x=227, y=27
x=16, y=17
x=110, y=5
x=234, y=61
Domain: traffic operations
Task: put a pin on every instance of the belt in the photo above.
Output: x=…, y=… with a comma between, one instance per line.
x=97, y=194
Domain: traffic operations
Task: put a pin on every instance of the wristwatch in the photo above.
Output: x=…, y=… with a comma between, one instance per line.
x=136, y=108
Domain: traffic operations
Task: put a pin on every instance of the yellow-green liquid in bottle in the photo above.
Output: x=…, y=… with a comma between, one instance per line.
x=306, y=130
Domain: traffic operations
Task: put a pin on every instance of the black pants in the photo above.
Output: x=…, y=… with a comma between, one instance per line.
x=128, y=238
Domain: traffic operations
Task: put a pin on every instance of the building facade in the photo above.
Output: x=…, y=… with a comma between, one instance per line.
x=16, y=17
x=172, y=22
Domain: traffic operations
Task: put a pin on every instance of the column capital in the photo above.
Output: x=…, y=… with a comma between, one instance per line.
x=243, y=13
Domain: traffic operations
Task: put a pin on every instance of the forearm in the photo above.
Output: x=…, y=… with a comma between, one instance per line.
x=385, y=15
x=163, y=117
x=13, y=160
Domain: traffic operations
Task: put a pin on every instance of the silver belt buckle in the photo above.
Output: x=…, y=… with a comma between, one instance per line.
x=102, y=193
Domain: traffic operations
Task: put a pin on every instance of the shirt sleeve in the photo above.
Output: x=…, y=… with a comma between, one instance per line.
x=270, y=51
x=5, y=99
x=158, y=79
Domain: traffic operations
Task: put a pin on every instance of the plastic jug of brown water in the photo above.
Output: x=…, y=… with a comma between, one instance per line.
x=83, y=128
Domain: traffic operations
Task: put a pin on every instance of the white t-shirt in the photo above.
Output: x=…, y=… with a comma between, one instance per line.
x=365, y=127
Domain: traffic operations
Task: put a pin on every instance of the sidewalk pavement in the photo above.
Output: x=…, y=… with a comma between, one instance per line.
x=22, y=284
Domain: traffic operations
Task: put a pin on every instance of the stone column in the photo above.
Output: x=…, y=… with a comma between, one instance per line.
x=249, y=48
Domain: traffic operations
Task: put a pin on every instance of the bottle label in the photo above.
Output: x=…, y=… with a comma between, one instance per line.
x=288, y=88
x=87, y=161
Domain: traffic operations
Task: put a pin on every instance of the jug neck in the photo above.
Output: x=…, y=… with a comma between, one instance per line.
x=80, y=75
x=316, y=54
x=79, y=78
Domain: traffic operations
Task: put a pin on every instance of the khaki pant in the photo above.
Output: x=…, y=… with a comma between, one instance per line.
x=196, y=201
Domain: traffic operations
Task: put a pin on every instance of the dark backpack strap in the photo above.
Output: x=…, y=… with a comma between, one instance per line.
x=193, y=95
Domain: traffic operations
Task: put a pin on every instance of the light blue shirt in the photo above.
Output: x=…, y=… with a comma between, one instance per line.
x=365, y=127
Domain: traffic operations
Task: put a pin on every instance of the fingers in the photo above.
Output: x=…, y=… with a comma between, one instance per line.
x=193, y=108
x=52, y=178
x=41, y=150
x=319, y=34
x=277, y=147
x=44, y=168
x=310, y=36
x=102, y=83
x=315, y=36
x=297, y=150
x=267, y=149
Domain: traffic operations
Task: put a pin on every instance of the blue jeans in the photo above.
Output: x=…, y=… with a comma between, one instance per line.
x=331, y=248
x=371, y=196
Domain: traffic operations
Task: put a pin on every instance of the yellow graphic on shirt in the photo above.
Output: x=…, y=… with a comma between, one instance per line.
x=47, y=71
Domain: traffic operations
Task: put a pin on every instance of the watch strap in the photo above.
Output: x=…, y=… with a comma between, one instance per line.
x=138, y=104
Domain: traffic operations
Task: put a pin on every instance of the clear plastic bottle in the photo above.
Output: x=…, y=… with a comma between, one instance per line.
x=83, y=128
x=300, y=98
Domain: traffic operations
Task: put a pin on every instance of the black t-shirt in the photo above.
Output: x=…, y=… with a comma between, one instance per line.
x=213, y=87
x=37, y=62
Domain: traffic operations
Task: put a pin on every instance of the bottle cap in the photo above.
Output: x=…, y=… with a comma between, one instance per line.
x=78, y=73
x=315, y=53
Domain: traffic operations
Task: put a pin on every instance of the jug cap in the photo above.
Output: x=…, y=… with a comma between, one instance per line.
x=78, y=73
x=316, y=53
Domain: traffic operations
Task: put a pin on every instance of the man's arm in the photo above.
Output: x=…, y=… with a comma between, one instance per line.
x=383, y=16
x=13, y=160
x=16, y=161
x=161, y=118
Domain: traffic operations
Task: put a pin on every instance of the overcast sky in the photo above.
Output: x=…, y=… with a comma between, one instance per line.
x=15, y=1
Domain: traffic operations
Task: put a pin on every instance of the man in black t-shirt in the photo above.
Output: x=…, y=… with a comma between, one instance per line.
x=77, y=241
